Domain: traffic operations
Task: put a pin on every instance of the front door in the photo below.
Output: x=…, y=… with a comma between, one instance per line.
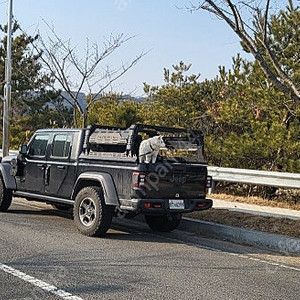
x=35, y=166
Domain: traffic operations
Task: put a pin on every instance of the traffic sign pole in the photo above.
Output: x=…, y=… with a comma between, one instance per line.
x=7, y=87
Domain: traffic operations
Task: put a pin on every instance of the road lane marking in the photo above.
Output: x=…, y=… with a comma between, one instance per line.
x=39, y=283
x=268, y=262
x=243, y=256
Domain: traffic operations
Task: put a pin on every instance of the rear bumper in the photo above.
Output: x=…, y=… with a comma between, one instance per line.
x=161, y=206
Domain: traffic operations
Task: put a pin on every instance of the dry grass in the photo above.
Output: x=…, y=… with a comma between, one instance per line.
x=282, y=203
x=266, y=224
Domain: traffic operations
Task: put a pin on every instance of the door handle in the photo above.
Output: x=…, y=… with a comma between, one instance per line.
x=47, y=175
x=61, y=167
x=42, y=166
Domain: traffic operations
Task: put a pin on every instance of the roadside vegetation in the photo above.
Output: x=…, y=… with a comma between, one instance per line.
x=249, y=122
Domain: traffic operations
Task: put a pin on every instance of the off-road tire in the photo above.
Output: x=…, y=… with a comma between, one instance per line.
x=5, y=196
x=91, y=215
x=164, y=223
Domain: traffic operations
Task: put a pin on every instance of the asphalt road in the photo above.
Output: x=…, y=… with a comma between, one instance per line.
x=42, y=256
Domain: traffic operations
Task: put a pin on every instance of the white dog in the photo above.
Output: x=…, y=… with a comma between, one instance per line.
x=149, y=149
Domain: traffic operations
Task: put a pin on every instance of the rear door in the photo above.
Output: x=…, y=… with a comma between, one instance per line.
x=60, y=168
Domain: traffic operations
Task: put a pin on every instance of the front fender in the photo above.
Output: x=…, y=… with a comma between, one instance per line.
x=106, y=182
x=9, y=180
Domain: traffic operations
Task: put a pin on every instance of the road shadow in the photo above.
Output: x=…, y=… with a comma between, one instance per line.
x=137, y=230
x=43, y=212
x=121, y=229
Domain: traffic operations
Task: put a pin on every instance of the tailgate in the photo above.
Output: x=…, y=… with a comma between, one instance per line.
x=184, y=181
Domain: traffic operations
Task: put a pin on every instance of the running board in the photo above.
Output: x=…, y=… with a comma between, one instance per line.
x=43, y=198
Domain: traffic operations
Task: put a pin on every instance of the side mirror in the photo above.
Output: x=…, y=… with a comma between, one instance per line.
x=23, y=149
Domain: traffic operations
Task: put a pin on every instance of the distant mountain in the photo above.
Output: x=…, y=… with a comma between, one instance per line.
x=135, y=99
x=81, y=100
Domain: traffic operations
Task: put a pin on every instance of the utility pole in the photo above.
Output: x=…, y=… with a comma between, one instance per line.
x=7, y=87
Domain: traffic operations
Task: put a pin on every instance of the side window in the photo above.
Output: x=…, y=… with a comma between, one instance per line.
x=39, y=145
x=61, y=145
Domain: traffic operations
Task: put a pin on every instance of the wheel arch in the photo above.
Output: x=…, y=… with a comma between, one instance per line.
x=8, y=180
x=103, y=180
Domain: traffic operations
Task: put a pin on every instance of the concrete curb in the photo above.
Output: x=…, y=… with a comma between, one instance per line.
x=276, y=242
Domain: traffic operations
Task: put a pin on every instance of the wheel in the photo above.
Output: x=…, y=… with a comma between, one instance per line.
x=5, y=196
x=91, y=215
x=163, y=223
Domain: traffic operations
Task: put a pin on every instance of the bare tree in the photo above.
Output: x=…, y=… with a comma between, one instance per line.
x=90, y=75
x=251, y=23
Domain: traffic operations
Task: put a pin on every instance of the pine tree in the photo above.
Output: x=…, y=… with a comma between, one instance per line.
x=176, y=103
x=252, y=124
x=30, y=93
x=112, y=110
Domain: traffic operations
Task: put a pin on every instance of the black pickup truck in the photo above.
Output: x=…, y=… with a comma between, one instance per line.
x=97, y=172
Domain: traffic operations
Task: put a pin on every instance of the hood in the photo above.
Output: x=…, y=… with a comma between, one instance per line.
x=9, y=158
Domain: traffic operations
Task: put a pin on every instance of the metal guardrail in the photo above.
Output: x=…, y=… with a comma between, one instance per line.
x=11, y=152
x=265, y=178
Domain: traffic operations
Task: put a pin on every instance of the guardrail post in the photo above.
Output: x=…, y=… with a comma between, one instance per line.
x=212, y=188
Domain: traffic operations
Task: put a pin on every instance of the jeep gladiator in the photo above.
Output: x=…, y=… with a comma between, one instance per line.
x=96, y=171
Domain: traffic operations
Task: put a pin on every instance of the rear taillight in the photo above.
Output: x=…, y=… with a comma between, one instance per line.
x=139, y=179
x=153, y=205
x=209, y=181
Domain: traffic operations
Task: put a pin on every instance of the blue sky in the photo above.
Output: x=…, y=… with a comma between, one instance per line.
x=168, y=33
